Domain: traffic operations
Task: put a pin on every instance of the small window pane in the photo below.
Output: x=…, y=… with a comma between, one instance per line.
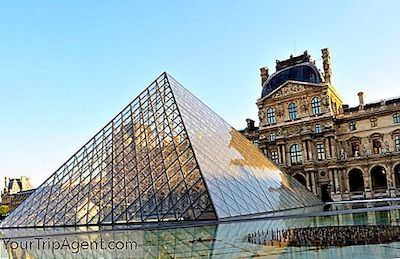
x=317, y=128
x=272, y=136
x=295, y=154
x=397, y=142
x=271, y=119
x=320, y=152
x=292, y=111
x=396, y=118
x=274, y=156
x=352, y=125
x=316, y=105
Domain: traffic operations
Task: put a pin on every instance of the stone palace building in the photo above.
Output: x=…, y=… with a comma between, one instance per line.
x=15, y=191
x=338, y=152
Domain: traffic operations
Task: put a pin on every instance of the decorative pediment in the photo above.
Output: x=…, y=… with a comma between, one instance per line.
x=354, y=139
x=290, y=88
x=376, y=135
x=395, y=132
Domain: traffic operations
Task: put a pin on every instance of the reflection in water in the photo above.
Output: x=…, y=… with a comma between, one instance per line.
x=219, y=241
x=338, y=236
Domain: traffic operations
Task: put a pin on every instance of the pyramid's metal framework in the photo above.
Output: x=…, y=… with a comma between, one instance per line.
x=165, y=157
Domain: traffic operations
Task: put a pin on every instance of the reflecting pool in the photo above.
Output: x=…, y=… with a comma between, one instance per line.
x=227, y=240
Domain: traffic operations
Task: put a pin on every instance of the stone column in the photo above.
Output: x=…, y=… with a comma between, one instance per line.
x=283, y=154
x=394, y=179
x=367, y=184
x=338, y=184
x=391, y=184
x=287, y=152
x=314, y=184
x=310, y=150
x=305, y=154
x=279, y=154
x=327, y=149
x=332, y=180
x=308, y=182
x=345, y=182
x=333, y=147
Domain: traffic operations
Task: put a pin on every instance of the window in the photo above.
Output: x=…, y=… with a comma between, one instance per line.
x=397, y=142
x=316, y=105
x=292, y=111
x=374, y=122
x=396, y=118
x=272, y=136
x=317, y=128
x=271, y=115
x=320, y=152
x=352, y=125
x=274, y=156
x=295, y=154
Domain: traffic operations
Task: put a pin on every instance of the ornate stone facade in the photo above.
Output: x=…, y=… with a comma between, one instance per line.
x=16, y=190
x=337, y=152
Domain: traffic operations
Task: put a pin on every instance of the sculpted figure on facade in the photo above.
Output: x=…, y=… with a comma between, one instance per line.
x=326, y=100
x=304, y=128
x=261, y=115
x=280, y=112
x=280, y=132
x=304, y=105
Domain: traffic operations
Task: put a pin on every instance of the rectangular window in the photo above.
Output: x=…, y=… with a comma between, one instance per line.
x=295, y=154
x=352, y=125
x=396, y=118
x=272, y=136
x=397, y=142
x=320, y=152
x=317, y=128
x=292, y=111
x=271, y=119
x=274, y=156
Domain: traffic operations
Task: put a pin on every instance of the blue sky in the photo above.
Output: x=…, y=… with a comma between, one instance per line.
x=67, y=67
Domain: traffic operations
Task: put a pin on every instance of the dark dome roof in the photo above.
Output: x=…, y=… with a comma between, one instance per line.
x=305, y=72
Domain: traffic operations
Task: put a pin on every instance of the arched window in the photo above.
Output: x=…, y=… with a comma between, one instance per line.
x=292, y=111
x=356, y=180
x=317, y=128
x=378, y=178
x=271, y=119
x=316, y=105
x=396, y=118
x=295, y=154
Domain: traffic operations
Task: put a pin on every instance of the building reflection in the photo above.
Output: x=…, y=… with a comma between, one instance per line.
x=224, y=240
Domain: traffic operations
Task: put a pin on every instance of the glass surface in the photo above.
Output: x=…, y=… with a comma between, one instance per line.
x=165, y=157
x=316, y=105
x=292, y=108
x=139, y=168
x=240, y=180
x=212, y=241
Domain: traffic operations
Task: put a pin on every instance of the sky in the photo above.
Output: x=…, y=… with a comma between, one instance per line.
x=67, y=67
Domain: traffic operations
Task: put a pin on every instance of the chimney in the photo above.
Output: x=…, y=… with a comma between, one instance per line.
x=361, y=100
x=326, y=57
x=264, y=75
x=250, y=124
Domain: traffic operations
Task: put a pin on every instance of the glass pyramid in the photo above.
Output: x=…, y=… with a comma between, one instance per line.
x=165, y=157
